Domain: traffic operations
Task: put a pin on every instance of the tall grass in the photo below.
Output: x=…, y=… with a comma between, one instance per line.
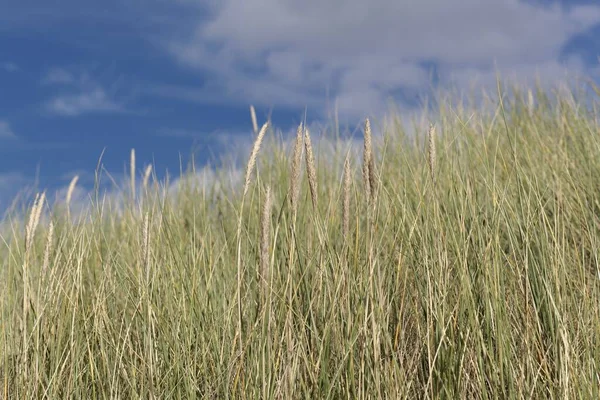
x=464, y=265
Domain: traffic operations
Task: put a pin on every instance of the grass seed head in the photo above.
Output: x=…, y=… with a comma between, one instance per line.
x=432, y=152
x=295, y=171
x=71, y=189
x=48, y=248
x=310, y=168
x=253, y=156
x=34, y=219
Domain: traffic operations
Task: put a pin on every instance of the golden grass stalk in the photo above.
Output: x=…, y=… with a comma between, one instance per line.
x=34, y=219
x=147, y=174
x=432, y=152
x=147, y=294
x=346, y=199
x=295, y=172
x=265, y=229
x=310, y=168
x=132, y=170
x=254, y=121
x=249, y=169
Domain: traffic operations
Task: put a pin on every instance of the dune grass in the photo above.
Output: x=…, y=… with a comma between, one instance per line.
x=458, y=263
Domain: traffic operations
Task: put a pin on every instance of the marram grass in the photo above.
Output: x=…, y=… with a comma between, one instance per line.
x=485, y=284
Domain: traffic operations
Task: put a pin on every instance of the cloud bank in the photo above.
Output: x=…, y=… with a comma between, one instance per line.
x=296, y=53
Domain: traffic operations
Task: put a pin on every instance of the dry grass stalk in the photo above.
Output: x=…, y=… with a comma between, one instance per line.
x=34, y=219
x=147, y=293
x=295, y=172
x=346, y=199
x=253, y=155
x=254, y=121
x=432, y=152
x=311, y=170
x=249, y=168
x=265, y=229
x=132, y=170
x=369, y=174
x=147, y=174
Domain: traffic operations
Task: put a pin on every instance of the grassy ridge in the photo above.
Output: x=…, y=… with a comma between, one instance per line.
x=459, y=265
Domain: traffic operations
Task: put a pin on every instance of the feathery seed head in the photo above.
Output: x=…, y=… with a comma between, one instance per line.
x=71, y=189
x=253, y=155
x=310, y=168
x=48, y=248
x=368, y=163
x=34, y=219
x=432, y=153
x=295, y=171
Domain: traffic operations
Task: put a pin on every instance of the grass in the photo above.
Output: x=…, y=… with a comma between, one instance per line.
x=461, y=263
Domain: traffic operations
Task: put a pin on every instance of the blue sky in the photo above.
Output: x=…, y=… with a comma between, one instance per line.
x=163, y=77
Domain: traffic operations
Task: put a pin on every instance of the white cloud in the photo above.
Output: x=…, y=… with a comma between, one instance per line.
x=93, y=101
x=9, y=66
x=59, y=76
x=80, y=94
x=6, y=131
x=289, y=52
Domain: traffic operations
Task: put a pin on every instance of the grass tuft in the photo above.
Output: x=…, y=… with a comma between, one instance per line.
x=486, y=287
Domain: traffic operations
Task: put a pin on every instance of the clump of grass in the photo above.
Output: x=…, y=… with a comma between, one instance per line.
x=488, y=291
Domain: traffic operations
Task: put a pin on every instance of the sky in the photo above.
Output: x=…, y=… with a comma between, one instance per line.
x=80, y=78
